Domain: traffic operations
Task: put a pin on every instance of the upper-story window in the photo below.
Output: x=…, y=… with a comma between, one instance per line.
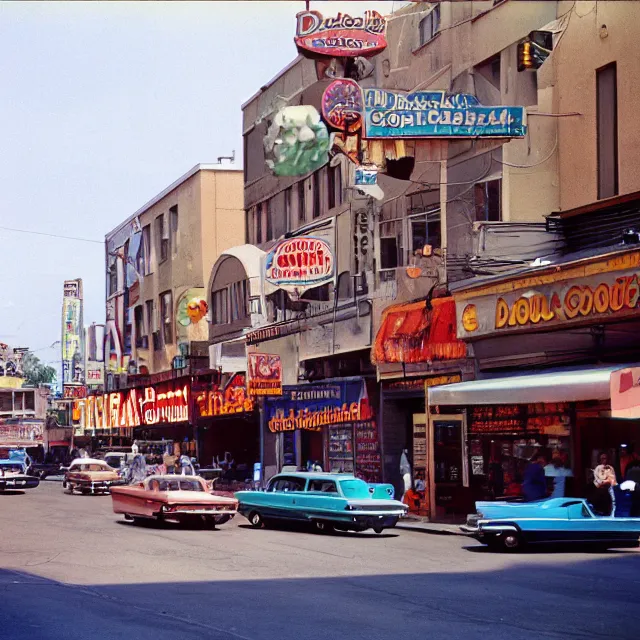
x=166, y=315
x=334, y=186
x=143, y=257
x=424, y=229
x=487, y=197
x=430, y=25
x=220, y=302
x=113, y=274
x=142, y=341
x=162, y=238
x=315, y=185
x=173, y=228
x=302, y=214
x=607, y=130
x=287, y=209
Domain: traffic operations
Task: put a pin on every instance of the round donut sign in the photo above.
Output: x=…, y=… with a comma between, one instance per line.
x=300, y=263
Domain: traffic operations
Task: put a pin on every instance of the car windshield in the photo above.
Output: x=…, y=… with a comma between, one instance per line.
x=175, y=485
x=355, y=489
x=91, y=467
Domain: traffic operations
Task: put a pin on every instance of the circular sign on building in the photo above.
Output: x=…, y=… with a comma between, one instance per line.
x=298, y=264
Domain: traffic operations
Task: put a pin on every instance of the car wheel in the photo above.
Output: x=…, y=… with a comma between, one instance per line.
x=256, y=519
x=511, y=542
x=128, y=517
x=324, y=527
x=222, y=519
x=378, y=529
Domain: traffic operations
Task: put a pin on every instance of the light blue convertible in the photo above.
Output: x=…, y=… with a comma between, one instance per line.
x=511, y=525
x=328, y=501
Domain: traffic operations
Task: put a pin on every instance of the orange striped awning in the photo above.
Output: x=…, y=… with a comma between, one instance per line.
x=413, y=333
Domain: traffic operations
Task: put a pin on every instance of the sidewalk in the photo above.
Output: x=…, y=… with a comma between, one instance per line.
x=413, y=523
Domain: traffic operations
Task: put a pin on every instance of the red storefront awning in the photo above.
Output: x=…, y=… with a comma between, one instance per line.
x=412, y=333
x=59, y=443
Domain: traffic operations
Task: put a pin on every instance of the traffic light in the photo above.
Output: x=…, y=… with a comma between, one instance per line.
x=525, y=57
x=533, y=51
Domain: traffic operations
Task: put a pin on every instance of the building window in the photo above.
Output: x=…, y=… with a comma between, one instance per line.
x=162, y=238
x=607, y=130
x=220, y=300
x=29, y=401
x=143, y=257
x=315, y=185
x=488, y=201
x=331, y=187
x=287, y=209
x=390, y=244
x=430, y=25
x=173, y=223
x=301, y=202
x=166, y=315
x=141, y=334
x=269, y=223
x=238, y=300
x=424, y=229
x=152, y=325
x=113, y=275
x=258, y=214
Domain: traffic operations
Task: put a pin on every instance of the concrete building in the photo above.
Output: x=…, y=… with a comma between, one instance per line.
x=158, y=262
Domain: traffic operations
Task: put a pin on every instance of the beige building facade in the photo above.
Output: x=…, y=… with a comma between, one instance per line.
x=158, y=262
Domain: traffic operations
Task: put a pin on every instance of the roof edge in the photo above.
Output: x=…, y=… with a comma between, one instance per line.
x=165, y=192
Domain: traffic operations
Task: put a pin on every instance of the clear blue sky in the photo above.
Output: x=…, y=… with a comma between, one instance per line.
x=102, y=106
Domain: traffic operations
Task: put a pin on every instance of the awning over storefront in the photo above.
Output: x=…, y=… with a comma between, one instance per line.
x=412, y=333
x=568, y=385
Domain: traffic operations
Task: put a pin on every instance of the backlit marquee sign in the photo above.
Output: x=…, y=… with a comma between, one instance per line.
x=340, y=37
x=159, y=404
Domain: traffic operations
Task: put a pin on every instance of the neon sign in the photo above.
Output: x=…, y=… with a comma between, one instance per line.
x=133, y=408
x=342, y=36
x=228, y=401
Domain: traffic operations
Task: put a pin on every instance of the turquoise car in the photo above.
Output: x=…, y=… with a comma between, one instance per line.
x=328, y=501
x=511, y=525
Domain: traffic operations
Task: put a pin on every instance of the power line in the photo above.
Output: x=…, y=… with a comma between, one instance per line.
x=51, y=235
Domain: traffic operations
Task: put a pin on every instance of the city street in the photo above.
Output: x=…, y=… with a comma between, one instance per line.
x=70, y=568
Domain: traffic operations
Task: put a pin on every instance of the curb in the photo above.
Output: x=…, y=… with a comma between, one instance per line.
x=427, y=529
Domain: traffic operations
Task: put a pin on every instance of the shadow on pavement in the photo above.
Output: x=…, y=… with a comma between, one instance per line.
x=592, y=598
x=304, y=527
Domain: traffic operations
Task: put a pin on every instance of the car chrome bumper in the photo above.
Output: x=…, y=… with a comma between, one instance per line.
x=21, y=482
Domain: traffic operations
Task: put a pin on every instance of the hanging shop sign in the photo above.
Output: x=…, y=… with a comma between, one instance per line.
x=72, y=342
x=228, y=400
x=313, y=406
x=546, y=418
x=298, y=264
x=381, y=113
x=25, y=433
x=297, y=141
x=158, y=404
x=594, y=292
x=342, y=36
x=71, y=392
x=265, y=374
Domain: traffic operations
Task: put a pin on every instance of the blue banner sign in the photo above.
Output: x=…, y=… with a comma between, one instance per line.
x=422, y=114
x=391, y=114
x=314, y=406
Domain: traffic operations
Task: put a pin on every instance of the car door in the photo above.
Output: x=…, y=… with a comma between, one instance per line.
x=585, y=526
x=320, y=498
x=283, y=500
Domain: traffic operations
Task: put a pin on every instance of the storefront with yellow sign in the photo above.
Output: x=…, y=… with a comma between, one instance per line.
x=546, y=343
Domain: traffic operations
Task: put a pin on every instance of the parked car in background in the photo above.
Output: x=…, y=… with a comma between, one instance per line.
x=175, y=498
x=14, y=465
x=509, y=526
x=328, y=501
x=89, y=475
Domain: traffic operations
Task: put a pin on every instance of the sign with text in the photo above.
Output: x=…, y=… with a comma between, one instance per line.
x=595, y=292
x=72, y=334
x=223, y=401
x=313, y=406
x=383, y=114
x=265, y=374
x=298, y=264
x=342, y=36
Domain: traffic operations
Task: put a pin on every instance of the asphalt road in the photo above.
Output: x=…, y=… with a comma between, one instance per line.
x=70, y=568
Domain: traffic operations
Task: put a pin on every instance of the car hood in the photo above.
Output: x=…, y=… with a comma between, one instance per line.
x=97, y=476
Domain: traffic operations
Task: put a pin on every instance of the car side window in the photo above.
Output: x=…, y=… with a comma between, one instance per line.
x=287, y=484
x=324, y=486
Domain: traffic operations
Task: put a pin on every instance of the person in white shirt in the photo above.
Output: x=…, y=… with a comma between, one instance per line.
x=559, y=473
